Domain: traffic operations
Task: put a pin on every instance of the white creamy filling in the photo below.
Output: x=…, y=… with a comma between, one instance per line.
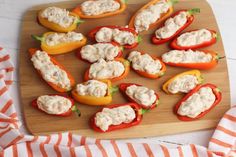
x=183, y=84
x=194, y=37
x=189, y=56
x=122, y=37
x=114, y=116
x=97, y=7
x=58, y=16
x=142, y=95
x=144, y=62
x=197, y=103
x=150, y=15
x=172, y=25
x=49, y=71
x=106, y=70
x=94, y=52
x=54, y=104
x=58, y=38
x=92, y=88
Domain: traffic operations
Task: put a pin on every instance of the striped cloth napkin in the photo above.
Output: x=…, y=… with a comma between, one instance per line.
x=15, y=144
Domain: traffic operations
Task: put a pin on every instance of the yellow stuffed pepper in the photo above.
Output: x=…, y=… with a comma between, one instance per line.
x=58, y=19
x=94, y=92
x=183, y=82
x=58, y=43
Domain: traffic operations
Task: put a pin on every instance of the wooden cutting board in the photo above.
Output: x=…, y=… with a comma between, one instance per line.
x=160, y=121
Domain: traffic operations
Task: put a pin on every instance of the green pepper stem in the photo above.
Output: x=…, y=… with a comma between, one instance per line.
x=39, y=38
x=172, y=2
x=220, y=57
x=124, y=1
x=143, y=111
x=79, y=21
x=216, y=36
x=217, y=89
x=139, y=39
x=194, y=11
x=75, y=109
x=201, y=79
x=114, y=89
x=126, y=63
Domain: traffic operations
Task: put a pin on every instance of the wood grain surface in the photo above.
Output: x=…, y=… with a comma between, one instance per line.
x=160, y=121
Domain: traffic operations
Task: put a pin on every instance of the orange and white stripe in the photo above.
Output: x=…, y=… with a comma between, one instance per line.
x=15, y=144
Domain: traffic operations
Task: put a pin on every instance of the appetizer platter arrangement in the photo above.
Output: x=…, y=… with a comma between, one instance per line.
x=122, y=69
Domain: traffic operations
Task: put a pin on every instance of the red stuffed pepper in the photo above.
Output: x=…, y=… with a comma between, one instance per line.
x=163, y=34
x=194, y=39
x=106, y=51
x=197, y=103
x=57, y=105
x=146, y=65
x=123, y=116
x=203, y=59
x=132, y=92
x=130, y=38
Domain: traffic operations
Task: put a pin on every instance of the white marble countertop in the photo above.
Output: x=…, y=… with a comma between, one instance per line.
x=11, y=12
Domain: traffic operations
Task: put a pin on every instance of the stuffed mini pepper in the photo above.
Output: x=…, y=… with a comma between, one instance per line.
x=202, y=59
x=115, y=117
x=57, y=105
x=123, y=36
x=145, y=97
x=58, y=43
x=58, y=19
x=183, y=82
x=94, y=92
x=198, y=102
x=51, y=71
x=108, y=70
x=95, y=52
x=194, y=39
x=146, y=65
x=174, y=25
x=99, y=8
x=151, y=14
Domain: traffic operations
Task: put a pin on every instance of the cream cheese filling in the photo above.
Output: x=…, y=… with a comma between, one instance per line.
x=189, y=56
x=142, y=95
x=54, y=104
x=94, y=52
x=98, y=7
x=114, y=116
x=197, y=103
x=92, y=88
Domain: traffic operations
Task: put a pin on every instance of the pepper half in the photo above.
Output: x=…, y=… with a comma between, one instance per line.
x=125, y=73
x=73, y=108
x=136, y=121
x=120, y=53
x=152, y=76
x=59, y=48
x=213, y=40
x=202, y=66
x=196, y=73
x=32, y=51
x=190, y=19
x=92, y=100
x=78, y=11
x=93, y=32
x=124, y=86
x=215, y=90
x=163, y=16
x=56, y=27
